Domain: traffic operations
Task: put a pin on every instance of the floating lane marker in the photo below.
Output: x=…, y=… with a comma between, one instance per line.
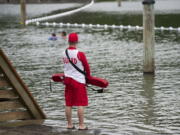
x=59, y=15
x=104, y=26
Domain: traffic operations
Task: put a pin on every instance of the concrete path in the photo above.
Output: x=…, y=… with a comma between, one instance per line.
x=161, y=6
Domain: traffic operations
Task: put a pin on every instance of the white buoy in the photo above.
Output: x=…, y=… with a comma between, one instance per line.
x=162, y=28
x=47, y=24
x=105, y=26
x=83, y=25
x=90, y=25
x=113, y=26
x=137, y=27
x=121, y=27
x=170, y=28
x=98, y=25
x=178, y=29
x=37, y=23
x=68, y=24
x=129, y=27
x=75, y=25
x=54, y=24
x=61, y=24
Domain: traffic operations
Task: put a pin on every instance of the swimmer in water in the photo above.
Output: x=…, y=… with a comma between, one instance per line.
x=63, y=34
x=53, y=37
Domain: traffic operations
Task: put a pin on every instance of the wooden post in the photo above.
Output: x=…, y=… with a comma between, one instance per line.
x=119, y=3
x=148, y=36
x=23, y=12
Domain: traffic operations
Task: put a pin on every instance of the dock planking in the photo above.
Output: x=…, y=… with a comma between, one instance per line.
x=17, y=105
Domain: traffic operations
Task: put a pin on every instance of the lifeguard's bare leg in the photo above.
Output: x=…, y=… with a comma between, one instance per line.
x=68, y=111
x=80, y=113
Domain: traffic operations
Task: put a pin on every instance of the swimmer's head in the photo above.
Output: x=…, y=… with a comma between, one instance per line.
x=63, y=33
x=53, y=34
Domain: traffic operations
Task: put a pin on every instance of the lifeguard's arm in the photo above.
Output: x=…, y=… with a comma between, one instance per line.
x=82, y=58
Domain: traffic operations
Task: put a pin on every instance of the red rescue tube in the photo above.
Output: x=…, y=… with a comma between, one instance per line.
x=97, y=81
x=59, y=77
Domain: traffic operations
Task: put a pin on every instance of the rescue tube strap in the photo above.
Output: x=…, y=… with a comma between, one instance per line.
x=84, y=73
x=78, y=69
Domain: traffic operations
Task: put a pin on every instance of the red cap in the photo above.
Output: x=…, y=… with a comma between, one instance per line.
x=73, y=37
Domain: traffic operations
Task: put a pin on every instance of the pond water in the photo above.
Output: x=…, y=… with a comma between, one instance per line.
x=133, y=104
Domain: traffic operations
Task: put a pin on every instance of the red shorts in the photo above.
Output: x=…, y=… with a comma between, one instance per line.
x=75, y=93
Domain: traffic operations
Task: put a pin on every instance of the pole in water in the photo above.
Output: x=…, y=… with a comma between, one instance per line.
x=148, y=36
x=50, y=85
x=119, y=3
x=23, y=12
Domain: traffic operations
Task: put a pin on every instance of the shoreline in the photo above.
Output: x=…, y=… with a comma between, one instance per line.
x=45, y=130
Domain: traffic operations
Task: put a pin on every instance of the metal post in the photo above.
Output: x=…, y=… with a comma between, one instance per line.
x=119, y=3
x=23, y=12
x=148, y=36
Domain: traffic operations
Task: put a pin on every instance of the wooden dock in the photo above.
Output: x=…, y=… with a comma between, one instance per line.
x=17, y=105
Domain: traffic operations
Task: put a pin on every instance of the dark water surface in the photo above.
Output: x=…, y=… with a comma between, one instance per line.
x=133, y=104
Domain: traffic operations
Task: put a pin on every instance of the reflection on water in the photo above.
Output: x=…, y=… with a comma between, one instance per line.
x=148, y=93
x=132, y=104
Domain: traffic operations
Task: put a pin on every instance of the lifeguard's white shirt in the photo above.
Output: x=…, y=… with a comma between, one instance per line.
x=69, y=70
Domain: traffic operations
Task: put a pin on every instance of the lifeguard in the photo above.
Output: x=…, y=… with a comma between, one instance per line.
x=75, y=82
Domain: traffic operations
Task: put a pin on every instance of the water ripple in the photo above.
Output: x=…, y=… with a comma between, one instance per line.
x=132, y=104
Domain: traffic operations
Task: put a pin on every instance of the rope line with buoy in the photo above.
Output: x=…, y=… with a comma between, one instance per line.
x=59, y=15
x=103, y=26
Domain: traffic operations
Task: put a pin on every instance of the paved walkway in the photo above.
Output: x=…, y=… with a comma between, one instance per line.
x=161, y=6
